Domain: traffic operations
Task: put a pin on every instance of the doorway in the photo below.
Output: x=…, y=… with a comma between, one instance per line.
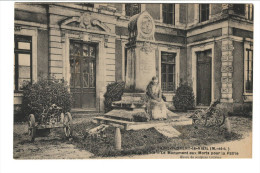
x=204, y=77
x=83, y=74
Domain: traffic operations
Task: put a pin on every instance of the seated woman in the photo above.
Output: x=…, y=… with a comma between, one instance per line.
x=156, y=106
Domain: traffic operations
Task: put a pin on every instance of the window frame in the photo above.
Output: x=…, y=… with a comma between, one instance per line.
x=247, y=47
x=88, y=58
x=173, y=22
x=168, y=64
x=200, y=12
x=33, y=32
x=17, y=51
x=177, y=67
x=249, y=12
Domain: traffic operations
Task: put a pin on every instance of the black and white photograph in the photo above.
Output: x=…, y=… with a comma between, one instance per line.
x=132, y=80
x=145, y=80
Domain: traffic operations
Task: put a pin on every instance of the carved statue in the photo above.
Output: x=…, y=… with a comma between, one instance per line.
x=156, y=106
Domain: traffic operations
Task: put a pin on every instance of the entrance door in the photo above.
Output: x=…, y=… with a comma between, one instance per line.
x=83, y=74
x=204, y=78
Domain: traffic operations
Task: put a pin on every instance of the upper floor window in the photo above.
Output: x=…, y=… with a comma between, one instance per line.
x=87, y=4
x=22, y=60
x=132, y=9
x=250, y=12
x=168, y=13
x=168, y=69
x=239, y=9
x=204, y=12
x=248, y=82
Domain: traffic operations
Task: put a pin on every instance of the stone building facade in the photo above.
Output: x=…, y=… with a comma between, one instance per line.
x=209, y=46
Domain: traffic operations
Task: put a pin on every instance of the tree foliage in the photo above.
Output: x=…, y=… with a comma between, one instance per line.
x=114, y=92
x=184, y=98
x=44, y=93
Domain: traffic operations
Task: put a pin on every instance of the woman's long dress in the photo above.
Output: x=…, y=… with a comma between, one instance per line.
x=156, y=106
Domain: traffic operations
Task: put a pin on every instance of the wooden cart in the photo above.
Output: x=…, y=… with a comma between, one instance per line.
x=53, y=117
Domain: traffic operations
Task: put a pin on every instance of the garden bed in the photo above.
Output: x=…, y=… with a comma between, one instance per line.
x=56, y=146
x=150, y=141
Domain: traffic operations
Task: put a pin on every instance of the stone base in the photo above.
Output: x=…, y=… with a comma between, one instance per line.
x=133, y=108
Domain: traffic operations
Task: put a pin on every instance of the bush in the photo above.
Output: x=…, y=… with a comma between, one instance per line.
x=114, y=93
x=42, y=94
x=184, y=98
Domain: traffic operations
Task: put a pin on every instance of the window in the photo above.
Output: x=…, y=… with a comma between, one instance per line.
x=22, y=61
x=87, y=5
x=82, y=65
x=248, y=71
x=250, y=12
x=239, y=9
x=132, y=9
x=168, y=13
x=168, y=71
x=204, y=12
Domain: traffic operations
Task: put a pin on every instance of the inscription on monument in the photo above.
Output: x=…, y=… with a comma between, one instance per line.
x=146, y=65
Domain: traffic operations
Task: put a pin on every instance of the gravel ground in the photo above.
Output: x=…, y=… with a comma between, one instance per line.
x=56, y=146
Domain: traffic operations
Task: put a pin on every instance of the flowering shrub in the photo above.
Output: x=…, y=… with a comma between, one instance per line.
x=184, y=98
x=114, y=93
x=44, y=93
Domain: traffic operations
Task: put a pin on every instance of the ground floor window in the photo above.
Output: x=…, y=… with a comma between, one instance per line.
x=248, y=83
x=168, y=71
x=22, y=61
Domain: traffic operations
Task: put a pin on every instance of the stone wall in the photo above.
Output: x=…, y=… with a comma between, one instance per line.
x=55, y=53
x=42, y=53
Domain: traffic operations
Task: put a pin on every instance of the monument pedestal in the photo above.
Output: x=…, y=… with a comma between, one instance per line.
x=141, y=66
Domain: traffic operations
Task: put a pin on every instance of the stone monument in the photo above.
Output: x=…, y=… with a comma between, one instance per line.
x=130, y=113
x=141, y=66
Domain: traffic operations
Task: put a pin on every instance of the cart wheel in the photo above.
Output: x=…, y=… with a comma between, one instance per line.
x=199, y=118
x=31, y=127
x=216, y=118
x=67, y=127
x=62, y=118
x=219, y=117
x=69, y=115
x=67, y=131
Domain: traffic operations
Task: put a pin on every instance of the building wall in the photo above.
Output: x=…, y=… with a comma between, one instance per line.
x=217, y=65
x=238, y=82
x=119, y=58
x=42, y=48
x=32, y=14
x=53, y=40
x=191, y=13
x=183, y=64
x=216, y=9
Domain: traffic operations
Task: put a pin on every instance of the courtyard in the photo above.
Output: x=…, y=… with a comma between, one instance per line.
x=135, y=144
